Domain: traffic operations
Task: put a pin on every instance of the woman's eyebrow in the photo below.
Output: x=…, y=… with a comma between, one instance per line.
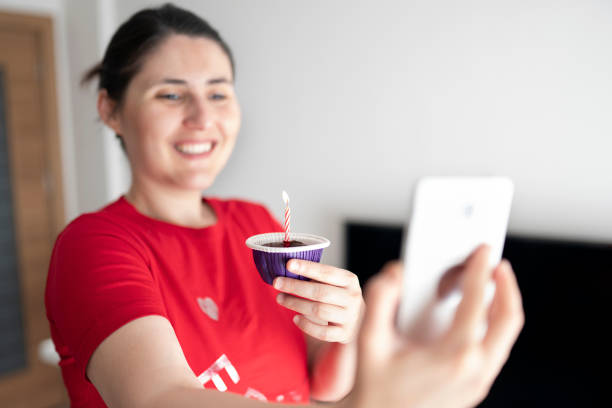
x=221, y=80
x=173, y=81
x=178, y=81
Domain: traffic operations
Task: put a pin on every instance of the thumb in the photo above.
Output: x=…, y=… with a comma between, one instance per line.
x=382, y=293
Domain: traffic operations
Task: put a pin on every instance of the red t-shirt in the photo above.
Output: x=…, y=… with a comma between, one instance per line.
x=115, y=265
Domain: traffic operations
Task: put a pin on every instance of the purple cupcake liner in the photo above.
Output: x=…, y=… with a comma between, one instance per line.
x=270, y=264
x=272, y=261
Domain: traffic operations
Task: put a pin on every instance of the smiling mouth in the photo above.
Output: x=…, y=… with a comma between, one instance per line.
x=194, y=149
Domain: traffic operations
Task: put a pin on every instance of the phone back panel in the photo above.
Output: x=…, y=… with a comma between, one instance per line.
x=451, y=216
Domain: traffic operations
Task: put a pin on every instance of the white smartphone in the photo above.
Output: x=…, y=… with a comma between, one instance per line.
x=451, y=216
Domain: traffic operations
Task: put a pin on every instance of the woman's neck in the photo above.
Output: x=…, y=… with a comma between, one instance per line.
x=179, y=207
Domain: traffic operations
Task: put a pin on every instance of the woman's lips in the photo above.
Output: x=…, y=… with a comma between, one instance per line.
x=192, y=149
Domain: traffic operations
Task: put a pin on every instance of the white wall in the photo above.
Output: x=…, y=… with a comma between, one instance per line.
x=101, y=175
x=347, y=102
x=82, y=29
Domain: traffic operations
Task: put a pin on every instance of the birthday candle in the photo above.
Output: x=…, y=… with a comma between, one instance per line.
x=287, y=216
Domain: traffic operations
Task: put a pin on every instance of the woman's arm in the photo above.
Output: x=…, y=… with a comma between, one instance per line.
x=332, y=368
x=330, y=310
x=142, y=365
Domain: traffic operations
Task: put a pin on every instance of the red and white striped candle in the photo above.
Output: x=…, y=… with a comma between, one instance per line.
x=287, y=217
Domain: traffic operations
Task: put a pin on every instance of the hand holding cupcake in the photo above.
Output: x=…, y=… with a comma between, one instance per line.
x=328, y=300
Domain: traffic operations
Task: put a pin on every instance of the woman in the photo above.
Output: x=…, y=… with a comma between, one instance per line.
x=154, y=300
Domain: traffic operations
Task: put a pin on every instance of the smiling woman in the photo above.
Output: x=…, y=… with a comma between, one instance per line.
x=161, y=259
x=155, y=301
x=178, y=119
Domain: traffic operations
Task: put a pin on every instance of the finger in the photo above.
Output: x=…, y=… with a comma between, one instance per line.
x=378, y=328
x=320, y=292
x=321, y=312
x=471, y=311
x=324, y=333
x=324, y=273
x=317, y=321
x=506, y=317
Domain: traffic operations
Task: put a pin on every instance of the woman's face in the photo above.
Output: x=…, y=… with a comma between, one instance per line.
x=180, y=116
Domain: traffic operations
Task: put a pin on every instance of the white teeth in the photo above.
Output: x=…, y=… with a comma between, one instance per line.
x=194, y=148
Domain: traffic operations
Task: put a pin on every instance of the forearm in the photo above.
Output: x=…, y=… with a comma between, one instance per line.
x=189, y=397
x=332, y=372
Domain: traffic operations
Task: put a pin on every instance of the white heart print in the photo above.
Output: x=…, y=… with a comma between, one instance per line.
x=209, y=307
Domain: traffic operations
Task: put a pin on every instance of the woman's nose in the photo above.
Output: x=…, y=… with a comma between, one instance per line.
x=198, y=115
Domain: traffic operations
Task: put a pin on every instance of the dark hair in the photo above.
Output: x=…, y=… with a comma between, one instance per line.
x=138, y=37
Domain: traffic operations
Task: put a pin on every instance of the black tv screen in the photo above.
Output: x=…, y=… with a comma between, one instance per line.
x=560, y=358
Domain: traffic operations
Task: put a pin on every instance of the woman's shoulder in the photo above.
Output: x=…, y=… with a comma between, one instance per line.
x=111, y=220
x=94, y=239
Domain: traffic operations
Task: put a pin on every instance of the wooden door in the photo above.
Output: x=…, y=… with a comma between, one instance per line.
x=32, y=204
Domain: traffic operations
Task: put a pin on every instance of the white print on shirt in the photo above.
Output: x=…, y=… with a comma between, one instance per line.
x=295, y=396
x=209, y=307
x=253, y=393
x=211, y=373
x=258, y=395
x=223, y=363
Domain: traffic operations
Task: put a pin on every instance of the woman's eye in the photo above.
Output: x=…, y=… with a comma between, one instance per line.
x=218, y=97
x=171, y=97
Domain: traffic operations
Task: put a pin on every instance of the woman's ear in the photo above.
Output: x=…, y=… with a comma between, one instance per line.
x=106, y=110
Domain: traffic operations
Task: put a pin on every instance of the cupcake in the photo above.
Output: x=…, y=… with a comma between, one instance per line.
x=271, y=252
